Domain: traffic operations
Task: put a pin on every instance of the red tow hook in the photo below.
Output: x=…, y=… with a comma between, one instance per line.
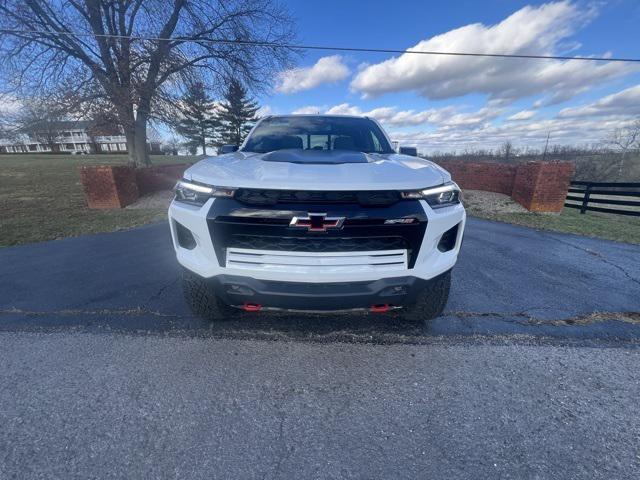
x=251, y=307
x=384, y=307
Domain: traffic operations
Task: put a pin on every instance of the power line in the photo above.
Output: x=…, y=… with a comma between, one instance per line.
x=253, y=43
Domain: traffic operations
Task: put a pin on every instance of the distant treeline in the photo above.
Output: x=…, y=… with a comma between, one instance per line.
x=596, y=164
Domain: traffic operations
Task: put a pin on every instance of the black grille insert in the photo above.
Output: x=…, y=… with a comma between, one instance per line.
x=253, y=196
x=318, y=245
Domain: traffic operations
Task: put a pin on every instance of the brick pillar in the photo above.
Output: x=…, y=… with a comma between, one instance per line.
x=542, y=186
x=488, y=176
x=109, y=186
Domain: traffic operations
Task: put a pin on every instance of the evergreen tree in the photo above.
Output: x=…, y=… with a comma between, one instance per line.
x=199, y=123
x=237, y=113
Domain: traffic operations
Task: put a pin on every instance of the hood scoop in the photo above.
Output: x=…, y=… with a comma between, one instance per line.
x=316, y=157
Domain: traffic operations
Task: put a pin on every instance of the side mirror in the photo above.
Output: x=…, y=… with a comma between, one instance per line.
x=413, y=151
x=227, y=149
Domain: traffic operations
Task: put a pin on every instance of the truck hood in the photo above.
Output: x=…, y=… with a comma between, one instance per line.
x=318, y=170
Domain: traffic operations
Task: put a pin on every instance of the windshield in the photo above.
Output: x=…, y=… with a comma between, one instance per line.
x=317, y=133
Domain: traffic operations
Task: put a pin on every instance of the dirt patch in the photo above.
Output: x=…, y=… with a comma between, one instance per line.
x=155, y=201
x=490, y=202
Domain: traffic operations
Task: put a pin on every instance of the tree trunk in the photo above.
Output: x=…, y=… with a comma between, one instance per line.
x=130, y=135
x=126, y=119
x=140, y=132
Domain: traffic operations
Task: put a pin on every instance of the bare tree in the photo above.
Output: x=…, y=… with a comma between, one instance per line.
x=506, y=151
x=625, y=140
x=171, y=145
x=8, y=117
x=134, y=53
x=40, y=119
x=102, y=122
x=7, y=129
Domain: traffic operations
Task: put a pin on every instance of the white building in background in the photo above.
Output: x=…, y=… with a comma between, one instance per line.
x=66, y=137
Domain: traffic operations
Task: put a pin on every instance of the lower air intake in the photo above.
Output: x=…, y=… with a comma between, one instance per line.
x=448, y=240
x=185, y=237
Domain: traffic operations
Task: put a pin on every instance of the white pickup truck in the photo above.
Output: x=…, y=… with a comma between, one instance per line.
x=317, y=213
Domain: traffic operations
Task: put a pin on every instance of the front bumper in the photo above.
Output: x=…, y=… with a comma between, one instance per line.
x=247, y=292
x=204, y=258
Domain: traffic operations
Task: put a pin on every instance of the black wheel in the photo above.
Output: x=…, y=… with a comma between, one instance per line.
x=201, y=299
x=431, y=300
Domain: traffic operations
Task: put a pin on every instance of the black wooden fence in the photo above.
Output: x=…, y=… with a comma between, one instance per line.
x=600, y=193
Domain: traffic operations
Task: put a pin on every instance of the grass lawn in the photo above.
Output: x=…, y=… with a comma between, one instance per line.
x=41, y=198
x=592, y=224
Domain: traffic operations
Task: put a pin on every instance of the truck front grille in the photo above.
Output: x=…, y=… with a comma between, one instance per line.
x=235, y=226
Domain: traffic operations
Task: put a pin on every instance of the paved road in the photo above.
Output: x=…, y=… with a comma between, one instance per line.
x=78, y=405
x=509, y=280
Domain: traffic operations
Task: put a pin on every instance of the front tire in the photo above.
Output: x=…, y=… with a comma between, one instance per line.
x=201, y=299
x=431, y=300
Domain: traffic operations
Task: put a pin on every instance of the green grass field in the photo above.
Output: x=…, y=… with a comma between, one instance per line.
x=592, y=224
x=41, y=198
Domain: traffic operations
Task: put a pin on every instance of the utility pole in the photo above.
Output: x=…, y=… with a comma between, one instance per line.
x=546, y=146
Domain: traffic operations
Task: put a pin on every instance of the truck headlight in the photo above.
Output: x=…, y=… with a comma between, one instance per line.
x=198, y=193
x=437, y=197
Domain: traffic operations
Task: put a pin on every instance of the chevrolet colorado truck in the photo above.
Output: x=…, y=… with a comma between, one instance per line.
x=316, y=213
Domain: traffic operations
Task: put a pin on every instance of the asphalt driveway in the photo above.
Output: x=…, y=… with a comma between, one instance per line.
x=509, y=280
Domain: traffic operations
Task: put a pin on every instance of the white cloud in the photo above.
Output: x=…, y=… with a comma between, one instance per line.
x=521, y=134
x=531, y=30
x=265, y=110
x=325, y=70
x=344, y=109
x=309, y=109
x=466, y=120
x=446, y=117
x=522, y=115
x=449, y=129
x=626, y=102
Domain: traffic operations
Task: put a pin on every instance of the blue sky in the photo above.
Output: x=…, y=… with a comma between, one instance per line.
x=457, y=103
